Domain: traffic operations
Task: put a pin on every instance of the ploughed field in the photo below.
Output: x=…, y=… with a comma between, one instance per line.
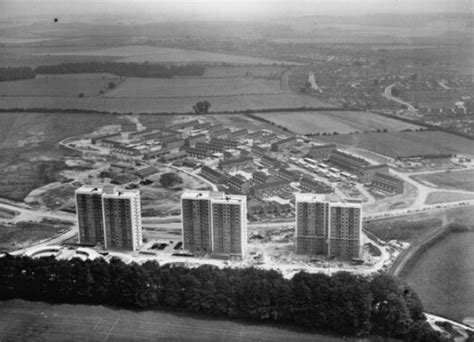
x=333, y=121
x=399, y=144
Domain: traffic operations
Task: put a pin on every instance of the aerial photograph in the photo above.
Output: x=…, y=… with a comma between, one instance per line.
x=246, y=170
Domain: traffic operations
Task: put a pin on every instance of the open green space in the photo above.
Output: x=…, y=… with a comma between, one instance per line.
x=404, y=230
x=19, y=321
x=29, y=157
x=399, y=144
x=446, y=196
x=333, y=121
x=15, y=236
x=225, y=103
x=53, y=87
x=458, y=180
x=7, y=213
x=152, y=54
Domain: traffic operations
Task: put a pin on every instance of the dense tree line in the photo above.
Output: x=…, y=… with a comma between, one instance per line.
x=13, y=74
x=124, y=69
x=343, y=303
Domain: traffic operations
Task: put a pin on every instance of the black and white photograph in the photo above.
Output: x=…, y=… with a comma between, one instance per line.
x=237, y=170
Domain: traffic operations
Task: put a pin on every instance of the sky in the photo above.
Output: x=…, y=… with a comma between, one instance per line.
x=225, y=9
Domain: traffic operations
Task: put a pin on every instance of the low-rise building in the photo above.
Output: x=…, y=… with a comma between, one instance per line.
x=183, y=125
x=226, y=143
x=260, y=177
x=348, y=162
x=210, y=147
x=270, y=162
x=173, y=142
x=369, y=172
x=235, y=164
x=198, y=152
x=202, y=126
x=99, y=139
x=387, y=183
x=220, y=133
x=212, y=175
x=284, y=143
x=322, y=151
x=270, y=189
x=158, y=153
x=171, y=157
x=286, y=175
x=194, y=139
x=146, y=171
x=308, y=184
x=237, y=135
x=238, y=185
x=216, y=127
x=259, y=151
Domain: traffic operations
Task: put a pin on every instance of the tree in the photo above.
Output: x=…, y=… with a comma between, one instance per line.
x=395, y=92
x=169, y=179
x=201, y=107
x=112, y=85
x=81, y=95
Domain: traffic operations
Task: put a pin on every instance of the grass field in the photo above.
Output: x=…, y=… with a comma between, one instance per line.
x=53, y=87
x=29, y=157
x=20, y=234
x=37, y=321
x=329, y=122
x=445, y=196
x=404, y=230
x=193, y=87
x=459, y=180
x=142, y=53
x=7, y=213
x=398, y=144
x=165, y=105
x=432, y=98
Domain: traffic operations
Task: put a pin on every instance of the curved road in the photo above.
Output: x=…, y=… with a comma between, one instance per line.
x=388, y=94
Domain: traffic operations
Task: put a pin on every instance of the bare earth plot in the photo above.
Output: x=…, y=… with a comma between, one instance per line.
x=192, y=87
x=165, y=105
x=140, y=54
x=37, y=321
x=459, y=180
x=49, y=87
x=399, y=144
x=329, y=122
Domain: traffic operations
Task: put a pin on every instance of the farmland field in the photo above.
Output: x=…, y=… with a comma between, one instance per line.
x=460, y=180
x=165, y=105
x=193, y=87
x=341, y=122
x=53, y=87
x=240, y=71
x=143, y=53
x=398, y=144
